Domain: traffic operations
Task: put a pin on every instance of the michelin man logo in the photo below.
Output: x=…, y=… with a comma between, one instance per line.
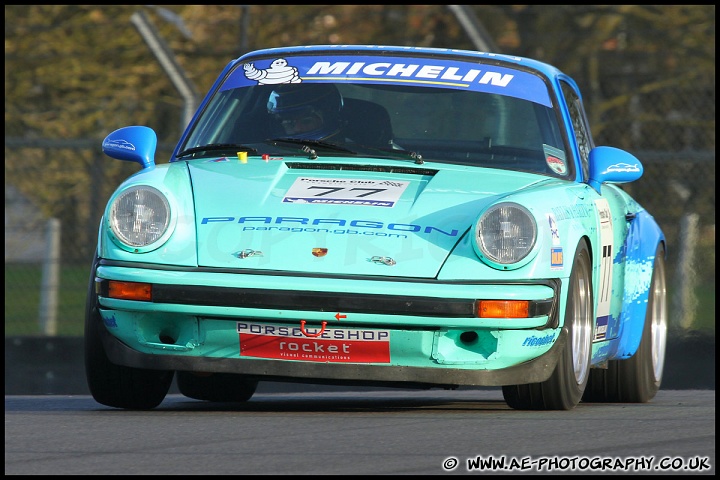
x=279, y=72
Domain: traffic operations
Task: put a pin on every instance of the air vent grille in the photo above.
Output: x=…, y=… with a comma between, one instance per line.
x=361, y=168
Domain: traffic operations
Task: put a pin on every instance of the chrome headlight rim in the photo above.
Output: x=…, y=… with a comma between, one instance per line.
x=487, y=257
x=158, y=239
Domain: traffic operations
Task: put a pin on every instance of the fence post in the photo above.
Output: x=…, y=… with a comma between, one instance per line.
x=50, y=279
x=685, y=302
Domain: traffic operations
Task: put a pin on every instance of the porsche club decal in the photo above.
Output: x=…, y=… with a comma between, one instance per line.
x=345, y=191
x=326, y=345
x=606, y=267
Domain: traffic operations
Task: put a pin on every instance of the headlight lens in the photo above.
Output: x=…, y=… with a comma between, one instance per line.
x=506, y=233
x=140, y=216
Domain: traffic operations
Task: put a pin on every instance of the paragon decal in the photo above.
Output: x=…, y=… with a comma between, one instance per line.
x=334, y=345
x=290, y=222
x=121, y=144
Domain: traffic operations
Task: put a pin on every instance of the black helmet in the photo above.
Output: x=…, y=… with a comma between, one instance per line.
x=306, y=110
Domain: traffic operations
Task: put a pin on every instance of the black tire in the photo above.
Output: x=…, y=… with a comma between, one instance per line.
x=116, y=385
x=637, y=379
x=565, y=387
x=216, y=387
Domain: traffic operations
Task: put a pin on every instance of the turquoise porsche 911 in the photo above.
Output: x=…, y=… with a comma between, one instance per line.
x=378, y=216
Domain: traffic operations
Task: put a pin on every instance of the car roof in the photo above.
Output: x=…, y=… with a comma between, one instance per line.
x=544, y=68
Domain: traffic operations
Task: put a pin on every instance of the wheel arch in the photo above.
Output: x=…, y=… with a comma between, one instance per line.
x=575, y=236
x=644, y=237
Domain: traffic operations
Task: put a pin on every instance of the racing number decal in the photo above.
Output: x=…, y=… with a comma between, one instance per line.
x=345, y=191
x=329, y=190
x=606, y=268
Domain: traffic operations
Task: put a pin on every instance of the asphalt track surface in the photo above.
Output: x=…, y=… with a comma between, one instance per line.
x=370, y=432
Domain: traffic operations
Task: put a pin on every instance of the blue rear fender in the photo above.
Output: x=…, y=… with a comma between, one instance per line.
x=643, y=238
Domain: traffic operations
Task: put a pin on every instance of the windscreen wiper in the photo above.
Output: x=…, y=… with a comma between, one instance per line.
x=309, y=146
x=215, y=147
x=397, y=153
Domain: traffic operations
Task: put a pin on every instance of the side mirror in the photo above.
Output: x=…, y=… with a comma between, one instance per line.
x=610, y=164
x=133, y=144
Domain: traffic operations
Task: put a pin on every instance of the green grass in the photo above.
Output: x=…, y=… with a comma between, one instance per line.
x=705, y=317
x=22, y=301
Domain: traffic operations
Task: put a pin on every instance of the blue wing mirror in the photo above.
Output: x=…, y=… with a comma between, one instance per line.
x=133, y=144
x=610, y=164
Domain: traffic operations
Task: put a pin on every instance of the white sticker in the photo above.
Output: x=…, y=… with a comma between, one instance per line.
x=555, y=159
x=345, y=191
x=606, y=267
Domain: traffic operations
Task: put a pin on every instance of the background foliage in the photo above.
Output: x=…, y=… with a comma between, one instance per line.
x=74, y=73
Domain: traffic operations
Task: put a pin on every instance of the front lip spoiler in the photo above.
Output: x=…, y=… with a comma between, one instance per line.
x=533, y=371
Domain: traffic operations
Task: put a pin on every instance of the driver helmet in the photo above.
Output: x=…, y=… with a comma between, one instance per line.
x=308, y=111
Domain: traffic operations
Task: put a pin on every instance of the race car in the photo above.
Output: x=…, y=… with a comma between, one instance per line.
x=378, y=216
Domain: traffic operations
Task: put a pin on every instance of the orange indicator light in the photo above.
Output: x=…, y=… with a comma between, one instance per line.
x=503, y=308
x=130, y=291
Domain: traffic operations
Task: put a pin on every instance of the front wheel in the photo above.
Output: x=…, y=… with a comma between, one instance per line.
x=116, y=385
x=637, y=379
x=565, y=387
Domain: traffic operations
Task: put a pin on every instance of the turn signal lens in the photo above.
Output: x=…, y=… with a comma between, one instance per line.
x=503, y=308
x=130, y=291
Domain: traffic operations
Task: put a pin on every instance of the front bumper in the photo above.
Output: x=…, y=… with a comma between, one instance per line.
x=532, y=371
x=424, y=333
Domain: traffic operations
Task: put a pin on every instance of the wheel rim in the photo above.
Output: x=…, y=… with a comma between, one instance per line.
x=658, y=324
x=582, y=324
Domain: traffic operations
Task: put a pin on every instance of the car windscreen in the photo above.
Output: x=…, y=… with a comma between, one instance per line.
x=442, y=122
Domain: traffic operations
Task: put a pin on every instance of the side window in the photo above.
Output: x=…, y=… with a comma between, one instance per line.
x=580, y=126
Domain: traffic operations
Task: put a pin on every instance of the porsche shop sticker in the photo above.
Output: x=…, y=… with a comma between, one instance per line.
x=331, y=345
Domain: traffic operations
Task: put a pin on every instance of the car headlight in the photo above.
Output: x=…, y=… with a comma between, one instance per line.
x=505, y=235
x=139, y=216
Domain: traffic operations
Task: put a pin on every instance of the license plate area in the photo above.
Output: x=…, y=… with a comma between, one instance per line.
x=313, y=344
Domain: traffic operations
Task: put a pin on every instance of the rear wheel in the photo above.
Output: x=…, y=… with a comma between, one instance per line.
x=117, y=385
x=216, y=387
x=565, y=387
x=637, y=379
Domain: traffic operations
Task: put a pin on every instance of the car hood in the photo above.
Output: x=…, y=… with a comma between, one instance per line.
x=339, y=217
